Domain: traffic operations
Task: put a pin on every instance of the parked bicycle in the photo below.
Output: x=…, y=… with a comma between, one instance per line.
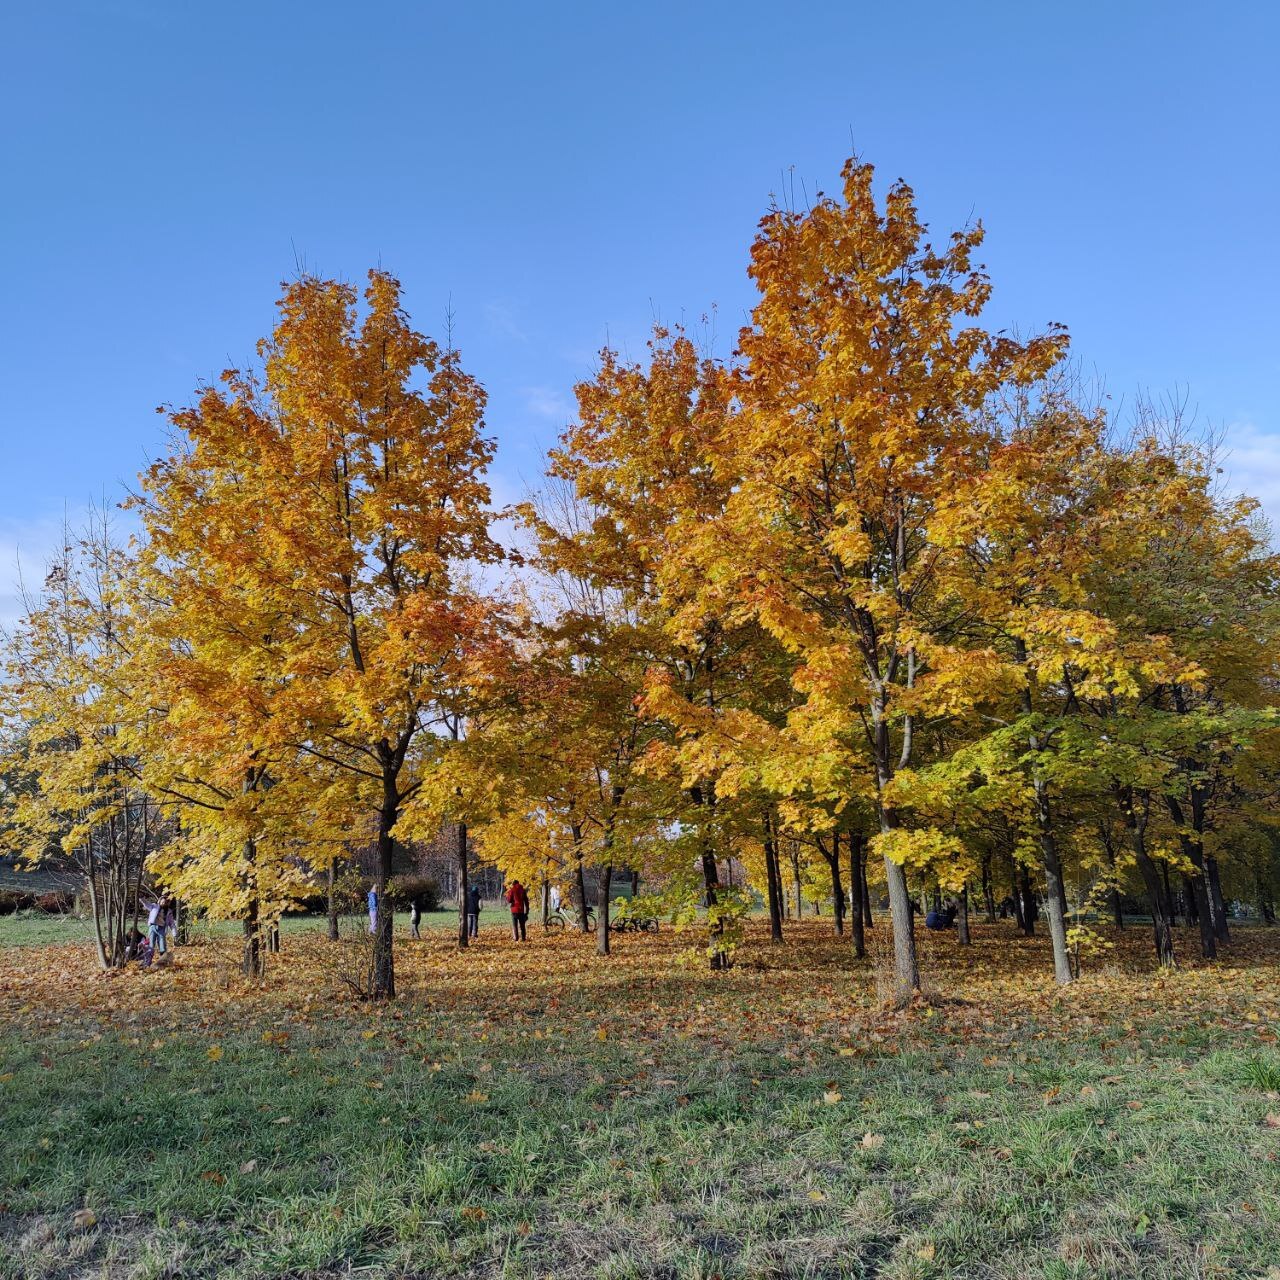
x=560, y=919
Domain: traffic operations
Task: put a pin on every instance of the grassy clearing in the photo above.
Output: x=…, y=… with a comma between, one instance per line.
x=533, y=1112
x=36, y=929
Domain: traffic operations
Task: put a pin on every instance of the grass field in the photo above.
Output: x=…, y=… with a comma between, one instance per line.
x=532, y=1111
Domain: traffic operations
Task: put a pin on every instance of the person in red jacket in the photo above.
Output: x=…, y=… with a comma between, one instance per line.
x=517, y=897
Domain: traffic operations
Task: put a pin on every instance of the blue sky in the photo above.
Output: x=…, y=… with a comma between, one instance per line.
x=562, y=174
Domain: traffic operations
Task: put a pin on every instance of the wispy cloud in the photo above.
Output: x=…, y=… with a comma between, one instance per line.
x=1251, y=460
x=548, y=403
x=501, y=318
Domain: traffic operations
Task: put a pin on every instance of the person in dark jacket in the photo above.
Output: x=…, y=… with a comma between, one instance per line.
x=941, y=919
x=473, y=911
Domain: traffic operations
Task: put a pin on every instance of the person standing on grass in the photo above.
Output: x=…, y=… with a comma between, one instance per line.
x=555, y=897
x=415, y=918
x=155, y=926
x=473, y=911
x=518, y=899
x=373, y=908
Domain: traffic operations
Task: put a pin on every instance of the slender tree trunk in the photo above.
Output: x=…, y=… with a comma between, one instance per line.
x=604, y=882
x=857, y=888
x=773, y=879
x=795, y=874
x=1029, y=908
x=252, y=962
x=383, y=977
x=963, y=930
x=582, y=897
x=1015, y=894
x=832, y=859
x=867, y=921
x=331, y=900
x=1157, y=889
x=1055, y=898
x=988, y=894
x=464, y=885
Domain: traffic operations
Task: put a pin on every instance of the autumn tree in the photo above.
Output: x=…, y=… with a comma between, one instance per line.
x=860, y=403
x=74, y=738
x=363, y=459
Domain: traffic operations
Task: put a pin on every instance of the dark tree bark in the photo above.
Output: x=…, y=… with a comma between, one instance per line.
x=795, y=872
x=988, y=893
x=831, y=856
x=1157, y=887
x=383, y=978
x=773, y=879
x=1220, y=927
x=866, y=888
x=962, y=932
x=1029, y=908
x=331, y=901
x=604, y=883
x=857, y=888
x=464, y=885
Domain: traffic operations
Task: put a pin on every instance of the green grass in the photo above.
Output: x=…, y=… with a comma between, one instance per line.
x=531, y=1112
x=36, y=929
x=572, y=1157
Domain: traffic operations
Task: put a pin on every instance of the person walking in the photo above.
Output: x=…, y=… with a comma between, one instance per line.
x=415, y=918
x=473, y=911
x=518, y=900
x=373, y=908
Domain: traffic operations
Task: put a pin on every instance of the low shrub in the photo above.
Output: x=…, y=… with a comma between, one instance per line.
x=14, y=900
x=56, y=902
x=404, y=890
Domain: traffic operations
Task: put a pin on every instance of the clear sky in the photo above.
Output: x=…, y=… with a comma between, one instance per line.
x=564, y=174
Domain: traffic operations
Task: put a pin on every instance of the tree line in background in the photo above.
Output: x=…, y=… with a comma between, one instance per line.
x=881, y=602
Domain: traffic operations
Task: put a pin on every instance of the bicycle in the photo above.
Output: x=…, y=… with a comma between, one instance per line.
x=558, y=920
x=635, y=924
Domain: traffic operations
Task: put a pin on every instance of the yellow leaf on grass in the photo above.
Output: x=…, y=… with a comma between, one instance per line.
x=927, y=1251
x=476, y=1096
x=873, y=1141
x=831, y=1097
x=215, y=1053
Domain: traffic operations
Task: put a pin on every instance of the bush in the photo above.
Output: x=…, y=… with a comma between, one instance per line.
x=57, y=902
x=406, y=889
x=14, y=900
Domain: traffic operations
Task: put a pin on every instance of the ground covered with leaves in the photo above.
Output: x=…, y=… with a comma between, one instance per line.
x=535, y=1111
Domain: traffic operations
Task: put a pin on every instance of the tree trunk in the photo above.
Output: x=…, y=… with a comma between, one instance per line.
x=1220, y=927
x=963, y=930
x=252, y=963
x=857, y=888
x=867, y=921
x=795, y=872
x=832, y=860
x=711, y=881
x=1055, y=897
x=988, y=893
x=773, y=880
x=1157, y=889
x=331, y=904
x=1027, y=917
x=604, y=882
x=382, y=979
x=1266, y=908
x=464, y=885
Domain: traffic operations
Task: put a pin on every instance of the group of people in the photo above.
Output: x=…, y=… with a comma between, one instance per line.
x=516, y=896
x=161, y=934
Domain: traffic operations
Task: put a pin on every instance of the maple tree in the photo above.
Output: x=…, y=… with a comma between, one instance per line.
x=359, y=457
x=74, y=737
